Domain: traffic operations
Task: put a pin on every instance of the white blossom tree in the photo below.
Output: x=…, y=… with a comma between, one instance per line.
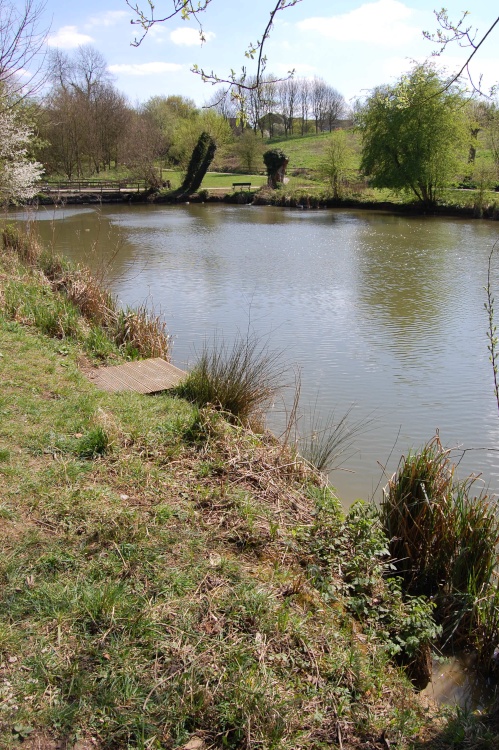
x=18, y=174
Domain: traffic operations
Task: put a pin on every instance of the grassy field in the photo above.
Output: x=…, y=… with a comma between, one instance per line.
x=171, y=580
x=223, y=180
x=307, y=152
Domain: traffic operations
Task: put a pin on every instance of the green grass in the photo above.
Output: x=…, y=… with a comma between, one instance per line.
x=225, y=180
x=307, y=152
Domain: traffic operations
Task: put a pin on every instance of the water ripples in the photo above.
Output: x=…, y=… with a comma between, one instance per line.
x=384, y=312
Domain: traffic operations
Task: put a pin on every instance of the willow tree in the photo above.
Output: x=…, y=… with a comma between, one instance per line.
x=414, y=134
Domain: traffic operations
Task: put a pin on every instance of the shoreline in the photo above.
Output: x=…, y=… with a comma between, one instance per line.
x=279, y=200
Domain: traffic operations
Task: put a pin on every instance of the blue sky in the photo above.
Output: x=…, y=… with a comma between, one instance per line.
x=353, y=45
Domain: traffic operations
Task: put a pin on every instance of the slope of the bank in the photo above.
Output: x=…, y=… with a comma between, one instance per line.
x=171, y=580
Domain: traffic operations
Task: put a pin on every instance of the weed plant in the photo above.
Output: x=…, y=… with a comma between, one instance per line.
x=140, y=333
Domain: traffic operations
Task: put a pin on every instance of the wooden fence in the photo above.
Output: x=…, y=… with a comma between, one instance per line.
x=92, y=186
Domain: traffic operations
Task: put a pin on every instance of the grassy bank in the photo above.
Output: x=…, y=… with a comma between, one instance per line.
x=172, y=579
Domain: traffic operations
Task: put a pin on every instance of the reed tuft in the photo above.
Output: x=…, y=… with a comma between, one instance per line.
x=141, y=333
x=241, y=379
x=444, y=539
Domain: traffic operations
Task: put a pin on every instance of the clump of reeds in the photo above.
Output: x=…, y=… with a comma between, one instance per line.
x=327, y=440
x=444, y=541
x=94, y=302
x=24, y=243
x=241, y=379
x=141, y=333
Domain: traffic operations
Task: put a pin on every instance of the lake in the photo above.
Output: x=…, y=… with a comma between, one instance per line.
x=381, y=313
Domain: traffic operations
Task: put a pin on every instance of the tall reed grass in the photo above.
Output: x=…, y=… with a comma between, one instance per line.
x=240, y=379
x=325, y=441
x=444, y=540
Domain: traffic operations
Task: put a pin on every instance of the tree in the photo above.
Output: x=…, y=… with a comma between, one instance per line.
x=335, y=107
x=319, y=92
x=21, y=47
x=142, y=145
x=287, y=100
x=304, y=99
x=18, y=175
x=492, y=132
x=85, y=118
x=413, y=134
x=276, y=162
x=201, y=158
x=249, y=147
x=337, y=156
x=478, y=115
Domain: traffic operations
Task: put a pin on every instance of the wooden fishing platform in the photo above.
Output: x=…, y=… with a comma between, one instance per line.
x=144, y=376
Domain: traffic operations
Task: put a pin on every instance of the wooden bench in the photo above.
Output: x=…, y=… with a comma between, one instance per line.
x=242, y=185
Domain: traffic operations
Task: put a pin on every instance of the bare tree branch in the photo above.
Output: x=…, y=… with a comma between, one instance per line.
x=21, y=44
x=465, y=37
x=186, y=9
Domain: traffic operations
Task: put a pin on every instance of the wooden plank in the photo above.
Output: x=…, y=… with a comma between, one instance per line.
x=144, y=376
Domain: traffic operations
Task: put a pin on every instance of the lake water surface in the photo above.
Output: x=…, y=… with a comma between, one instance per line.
x=383, y=313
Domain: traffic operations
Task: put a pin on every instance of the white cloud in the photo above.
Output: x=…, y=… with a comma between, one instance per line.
x=190, y=37
x=157, y=32
x=145, y=69
x=109, y=18
x=385, y=22
x=68, y=37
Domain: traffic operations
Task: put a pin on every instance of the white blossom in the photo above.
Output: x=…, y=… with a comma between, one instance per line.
x=18, y=175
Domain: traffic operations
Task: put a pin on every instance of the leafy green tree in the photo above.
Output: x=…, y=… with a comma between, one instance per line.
x=249, y=148
x=413, y=134
x=337, y=157
x=492, y=133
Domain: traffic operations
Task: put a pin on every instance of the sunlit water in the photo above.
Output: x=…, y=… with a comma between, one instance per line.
x=385, y=313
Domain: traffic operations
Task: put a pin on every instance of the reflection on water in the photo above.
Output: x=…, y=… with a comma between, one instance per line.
x=382, y=312
x=456, y=682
